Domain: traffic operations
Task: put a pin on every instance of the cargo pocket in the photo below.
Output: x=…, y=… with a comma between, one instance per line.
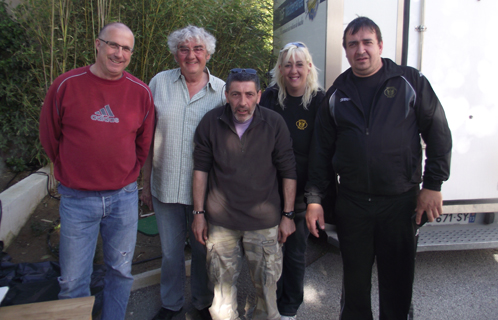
x=273, y=262
x=212, y=263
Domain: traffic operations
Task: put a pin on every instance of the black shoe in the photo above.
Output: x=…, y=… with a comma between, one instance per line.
x=204, y=313
x=165, y=314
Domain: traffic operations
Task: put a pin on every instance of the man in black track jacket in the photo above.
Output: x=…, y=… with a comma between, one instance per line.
x=369, y=126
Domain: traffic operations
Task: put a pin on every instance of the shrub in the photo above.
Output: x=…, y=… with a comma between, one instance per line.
x=20, y=98
x=51, y=37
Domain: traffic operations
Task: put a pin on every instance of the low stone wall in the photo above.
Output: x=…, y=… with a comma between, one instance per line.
x=19, y=201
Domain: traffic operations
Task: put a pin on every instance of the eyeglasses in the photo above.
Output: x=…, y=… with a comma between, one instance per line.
x=239, y=70
x=185, y=51
x=116, y=46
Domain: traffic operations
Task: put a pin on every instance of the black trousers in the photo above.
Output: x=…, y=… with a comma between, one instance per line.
x=290, y=286
x=380, y=228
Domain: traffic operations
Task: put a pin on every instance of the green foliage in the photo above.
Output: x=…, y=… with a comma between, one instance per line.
x=51, y=37
x=20, y=98
x=243, y=30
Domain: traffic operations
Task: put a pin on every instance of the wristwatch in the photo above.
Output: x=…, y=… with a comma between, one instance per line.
x=199, y=212
x=290, y=214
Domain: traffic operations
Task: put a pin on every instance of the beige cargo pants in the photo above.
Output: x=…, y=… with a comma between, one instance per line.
x=225, y=251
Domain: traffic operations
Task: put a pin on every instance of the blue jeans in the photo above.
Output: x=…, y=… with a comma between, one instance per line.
x=116, y=217
x=174, y=220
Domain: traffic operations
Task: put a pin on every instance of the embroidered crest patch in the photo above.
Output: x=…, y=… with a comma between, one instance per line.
x=301, y=124
x=390, y=92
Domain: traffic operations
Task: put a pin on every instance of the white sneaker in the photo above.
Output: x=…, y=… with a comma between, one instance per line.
x=288, y=318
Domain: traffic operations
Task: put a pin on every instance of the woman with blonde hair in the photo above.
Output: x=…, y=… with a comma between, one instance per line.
x=296, y=95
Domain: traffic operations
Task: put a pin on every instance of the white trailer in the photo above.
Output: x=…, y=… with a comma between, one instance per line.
x=452, y=43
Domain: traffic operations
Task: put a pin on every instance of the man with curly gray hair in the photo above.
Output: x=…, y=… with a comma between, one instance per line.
x=182, y=96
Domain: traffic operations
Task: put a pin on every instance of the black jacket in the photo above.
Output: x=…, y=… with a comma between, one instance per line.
x=381, y=155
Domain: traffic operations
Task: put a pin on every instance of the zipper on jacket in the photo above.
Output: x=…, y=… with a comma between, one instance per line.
x=242, y=141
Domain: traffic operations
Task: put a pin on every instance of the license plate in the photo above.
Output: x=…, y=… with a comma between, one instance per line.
x=455, y=218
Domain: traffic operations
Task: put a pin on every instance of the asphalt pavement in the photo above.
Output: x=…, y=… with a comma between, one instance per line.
x=449, y=285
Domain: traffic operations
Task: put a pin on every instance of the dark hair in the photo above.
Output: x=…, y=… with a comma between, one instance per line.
x=361, y=23
x=242, y=77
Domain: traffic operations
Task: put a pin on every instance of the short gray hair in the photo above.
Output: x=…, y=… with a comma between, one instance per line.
x=188, y=33
x=242, y=77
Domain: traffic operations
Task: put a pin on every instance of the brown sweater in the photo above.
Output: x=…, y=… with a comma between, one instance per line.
x=242, y=186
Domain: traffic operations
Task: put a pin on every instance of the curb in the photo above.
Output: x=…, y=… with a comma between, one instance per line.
x=19, y=201
x=153, y=277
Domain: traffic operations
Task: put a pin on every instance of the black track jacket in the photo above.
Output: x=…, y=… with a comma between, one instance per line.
x=381, y=155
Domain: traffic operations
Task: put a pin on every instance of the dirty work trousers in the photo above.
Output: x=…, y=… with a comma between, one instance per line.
x=225, y=251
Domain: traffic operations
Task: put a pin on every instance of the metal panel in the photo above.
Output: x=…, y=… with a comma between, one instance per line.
x=399, y=32
x=295, y=20
x=457, y=237
x=334, y=50
x=446, y=237
x=470, y=208
x=466, y=86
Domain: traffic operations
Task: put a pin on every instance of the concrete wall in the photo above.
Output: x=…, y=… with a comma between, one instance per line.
x=18, y=203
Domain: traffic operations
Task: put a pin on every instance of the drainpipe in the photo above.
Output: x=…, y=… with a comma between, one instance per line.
x=421, y=29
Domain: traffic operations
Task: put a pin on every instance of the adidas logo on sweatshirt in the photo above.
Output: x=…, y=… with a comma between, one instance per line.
x=105, y=115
